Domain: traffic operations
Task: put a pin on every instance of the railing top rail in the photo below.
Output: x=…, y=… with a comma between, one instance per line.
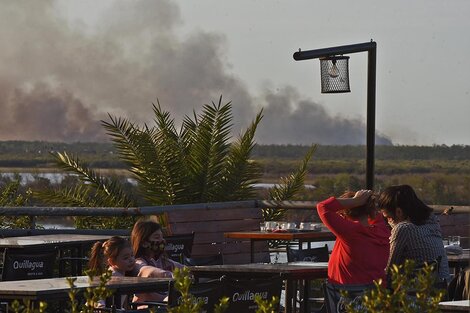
x=153, y=210
x=114, y=211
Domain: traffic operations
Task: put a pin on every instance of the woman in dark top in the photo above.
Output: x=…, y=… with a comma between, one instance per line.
x=416, y=233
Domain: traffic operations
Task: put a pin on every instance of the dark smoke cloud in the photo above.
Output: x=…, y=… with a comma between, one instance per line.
x=27, y=115
x=293, y=120
x=57, y=81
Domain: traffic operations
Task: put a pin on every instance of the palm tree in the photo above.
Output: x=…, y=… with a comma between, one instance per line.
x=199, y=163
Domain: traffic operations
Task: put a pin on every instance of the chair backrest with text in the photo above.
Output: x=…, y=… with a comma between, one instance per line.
x=23, y=264
x=179, y=246
x=241, y=292
x=208, y=292
x=309, y=255
x=335, y=302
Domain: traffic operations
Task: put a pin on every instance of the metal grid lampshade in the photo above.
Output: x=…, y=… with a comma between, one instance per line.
x=335, y=74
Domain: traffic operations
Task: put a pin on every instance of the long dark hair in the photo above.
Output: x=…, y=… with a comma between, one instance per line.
x=404, y=197
x=102, y=251
x=141, y=232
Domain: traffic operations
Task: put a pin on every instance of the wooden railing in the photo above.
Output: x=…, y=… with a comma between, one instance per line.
x=33, y=212
x=454, y=219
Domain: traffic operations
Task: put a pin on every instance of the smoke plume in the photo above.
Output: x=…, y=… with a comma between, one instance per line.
x=57, y=80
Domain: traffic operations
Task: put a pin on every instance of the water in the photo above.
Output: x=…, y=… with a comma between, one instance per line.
x=57, y=178
x=27, y=178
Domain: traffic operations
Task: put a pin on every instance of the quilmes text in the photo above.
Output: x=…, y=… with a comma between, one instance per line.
x=28, y=265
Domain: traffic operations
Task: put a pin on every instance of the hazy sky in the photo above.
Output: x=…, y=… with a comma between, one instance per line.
x=65, y=64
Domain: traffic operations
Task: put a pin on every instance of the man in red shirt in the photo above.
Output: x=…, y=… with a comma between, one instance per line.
x=362, y=246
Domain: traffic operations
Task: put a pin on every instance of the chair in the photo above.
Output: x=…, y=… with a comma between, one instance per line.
x=459, y=286
x=72, y=266
x=313, y=255
x=208, y=292
x=308, y=255
x=179, y=246
x=216, y=259
x=241, y=292
x=336, y=303
x=24, y=264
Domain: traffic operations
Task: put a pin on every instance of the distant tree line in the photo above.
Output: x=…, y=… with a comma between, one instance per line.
x=436, y=152
x=103, y=155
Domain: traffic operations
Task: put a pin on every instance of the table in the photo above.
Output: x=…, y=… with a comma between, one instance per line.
x=302, y=237
x=455, y=306
x=290, y=272
x=53, y=240
x=459, y=261
x=75, y=242
x=58, y=288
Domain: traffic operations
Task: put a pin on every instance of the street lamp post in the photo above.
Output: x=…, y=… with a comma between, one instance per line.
x=371, y=48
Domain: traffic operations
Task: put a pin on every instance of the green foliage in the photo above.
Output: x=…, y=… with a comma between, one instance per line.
x=92, y=294
x=10, y=195
x=266, y=306
x=412, y=291
x=27, y=307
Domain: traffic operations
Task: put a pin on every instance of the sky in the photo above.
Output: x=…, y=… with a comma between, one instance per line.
x=65, y=65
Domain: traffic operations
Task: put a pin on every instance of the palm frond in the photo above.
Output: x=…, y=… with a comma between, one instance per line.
x=172, y=170
x=134, y=146
x=294, y=183
x=240, y=172
x=137, y=148
x=209, y=149
x=77, y=196
x=107, y=188
x=289, y=187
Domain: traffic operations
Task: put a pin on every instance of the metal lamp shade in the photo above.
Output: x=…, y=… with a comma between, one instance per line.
x=335, y=74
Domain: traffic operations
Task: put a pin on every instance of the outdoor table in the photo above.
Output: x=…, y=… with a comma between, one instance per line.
x=301, y=237
x=455, y=306
x=58, y=288
x=75, y=242
x=459, y=261
x=290, y=272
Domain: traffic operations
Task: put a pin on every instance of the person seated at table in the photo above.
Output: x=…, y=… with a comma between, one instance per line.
x=416, y=233
x=148, y=246
x=361, y=249
x=115, y=255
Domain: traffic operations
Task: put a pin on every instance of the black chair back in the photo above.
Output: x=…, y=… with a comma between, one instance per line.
x=312, y=255
x=179, y=246
x=336, y=303
x=216, y=259
x=241, y=293
x=23, y=264
x=208, y=292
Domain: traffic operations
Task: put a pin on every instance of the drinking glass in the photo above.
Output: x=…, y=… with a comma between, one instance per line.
x=454, y=240
x=270, y=226
x=262, y=226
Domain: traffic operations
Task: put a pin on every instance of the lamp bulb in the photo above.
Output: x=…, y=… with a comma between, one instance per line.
x=333, y=72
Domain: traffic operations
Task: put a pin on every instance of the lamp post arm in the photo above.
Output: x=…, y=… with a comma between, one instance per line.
x=319, y=53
